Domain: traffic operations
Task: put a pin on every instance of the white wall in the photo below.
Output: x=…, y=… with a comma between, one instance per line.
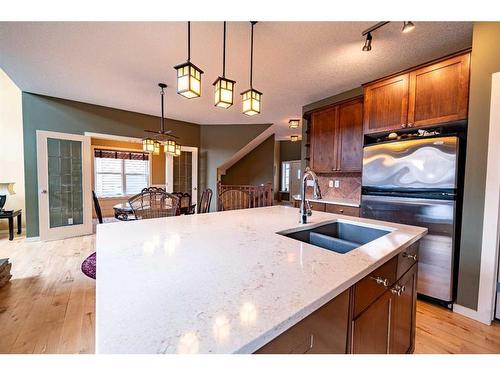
x=11, y=143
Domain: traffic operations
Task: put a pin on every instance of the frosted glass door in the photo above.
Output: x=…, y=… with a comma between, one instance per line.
x=65, y=182
x=64, y=185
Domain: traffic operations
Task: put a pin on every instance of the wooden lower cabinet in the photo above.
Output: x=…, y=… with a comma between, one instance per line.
x=374, y=316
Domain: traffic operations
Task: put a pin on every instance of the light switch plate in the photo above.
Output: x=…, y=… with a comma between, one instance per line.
x=330, y=183
x=70, y=221
x=337, y=184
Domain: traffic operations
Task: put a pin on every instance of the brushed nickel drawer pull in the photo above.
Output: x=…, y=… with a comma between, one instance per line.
x=410, y=256
x=380, y=280
x=398, y=289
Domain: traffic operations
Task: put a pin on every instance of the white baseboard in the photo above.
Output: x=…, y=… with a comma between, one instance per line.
x=473, y=314
x=32, y=239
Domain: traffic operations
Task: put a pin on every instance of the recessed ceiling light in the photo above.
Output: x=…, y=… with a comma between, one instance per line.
x=294, y=123
x=294, y=138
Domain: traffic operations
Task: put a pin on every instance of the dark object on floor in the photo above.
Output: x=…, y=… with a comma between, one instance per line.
x=10, y=215
x=97, y=207
x=5, y=275
x=88, y=266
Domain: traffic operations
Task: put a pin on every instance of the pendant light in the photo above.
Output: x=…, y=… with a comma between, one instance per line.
x=170, y=146
x=251, y=98
x=148, y=144
x=177, y=150
x=224, y=87
x=294, y=123
x=188, y=74
x=156, y=148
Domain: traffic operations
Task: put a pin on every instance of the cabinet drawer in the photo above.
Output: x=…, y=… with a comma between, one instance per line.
x=317, y=206
x=323, y=332
x=374, y=285
x=342, y=210
x=407, y=258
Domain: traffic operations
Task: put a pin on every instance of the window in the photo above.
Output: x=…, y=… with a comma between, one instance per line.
x=119, y=173
x=285, y=176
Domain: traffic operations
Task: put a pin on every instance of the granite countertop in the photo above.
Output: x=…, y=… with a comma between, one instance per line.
x=222, y=282
x=339, y=201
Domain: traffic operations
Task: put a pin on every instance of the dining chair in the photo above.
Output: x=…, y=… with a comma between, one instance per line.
x=206, y=198
x=97, y=207
x=154, y=203
x=234, y=199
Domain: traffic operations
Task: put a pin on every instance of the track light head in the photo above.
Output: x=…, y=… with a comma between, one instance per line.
x=368, y=43
x=407, y=26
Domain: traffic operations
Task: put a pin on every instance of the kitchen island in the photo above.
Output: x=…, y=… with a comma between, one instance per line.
x=223, y=282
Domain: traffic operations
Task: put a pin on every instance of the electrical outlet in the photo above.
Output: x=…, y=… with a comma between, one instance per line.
x=337, y=184
x=310, y=182
x=330, y=183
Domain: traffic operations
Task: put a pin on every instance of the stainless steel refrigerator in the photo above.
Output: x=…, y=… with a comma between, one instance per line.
x=415, y=182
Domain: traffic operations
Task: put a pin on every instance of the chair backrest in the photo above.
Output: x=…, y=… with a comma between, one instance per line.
x=234, y=200
x=206, y=198
x=152, y=203
x=97, y=207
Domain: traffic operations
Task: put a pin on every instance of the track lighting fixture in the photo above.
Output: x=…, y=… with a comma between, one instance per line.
x=368, y=43
x=407, y=26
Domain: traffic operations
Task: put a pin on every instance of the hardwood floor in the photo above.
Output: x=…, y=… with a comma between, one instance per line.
x=49, y=306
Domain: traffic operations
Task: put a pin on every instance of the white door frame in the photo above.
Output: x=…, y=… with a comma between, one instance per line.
x=169, y=168
x=46, y=233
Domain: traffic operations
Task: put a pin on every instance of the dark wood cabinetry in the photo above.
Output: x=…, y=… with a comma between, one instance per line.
x=439, y=92
x=427, y=95
x=324, y=129
x=375, y=316
x=336, y=137
x=386, y=104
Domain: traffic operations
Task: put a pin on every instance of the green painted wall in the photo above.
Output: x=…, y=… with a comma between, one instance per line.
x=485, y=61
x=219, y=143
x=254, y=168
x=53, y=114
x=289, y=150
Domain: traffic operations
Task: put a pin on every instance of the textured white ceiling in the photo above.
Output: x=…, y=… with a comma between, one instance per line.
x=118, y=64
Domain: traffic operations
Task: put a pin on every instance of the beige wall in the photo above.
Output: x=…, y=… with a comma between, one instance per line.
x=11, y=143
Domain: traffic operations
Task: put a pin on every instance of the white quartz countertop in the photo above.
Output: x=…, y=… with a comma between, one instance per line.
x=339, y=201
x=222, y=282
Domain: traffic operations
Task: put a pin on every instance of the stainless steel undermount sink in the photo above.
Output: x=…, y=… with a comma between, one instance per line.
x=336, y=236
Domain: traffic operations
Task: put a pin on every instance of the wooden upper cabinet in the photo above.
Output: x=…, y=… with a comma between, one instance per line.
x=439, y=92
x=350, y=150
x=386, y=104
x=323, y=140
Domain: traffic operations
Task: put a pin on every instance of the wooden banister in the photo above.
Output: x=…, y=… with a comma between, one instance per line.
x=251, y=196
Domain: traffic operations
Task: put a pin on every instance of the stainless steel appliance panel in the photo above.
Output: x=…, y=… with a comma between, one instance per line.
x=429, y=163
x=435, y=269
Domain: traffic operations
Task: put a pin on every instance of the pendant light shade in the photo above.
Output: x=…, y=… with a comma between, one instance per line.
x=156, y=148
x=170, y=146
x=177, y=150
x=148, y=145
x=294, y=123
x=224, y=88
x=251, y=98
x=188, y=75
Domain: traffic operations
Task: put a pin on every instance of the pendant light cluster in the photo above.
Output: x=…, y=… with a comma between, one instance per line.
x=152, y=144
x=189, y=80
x=407, y=27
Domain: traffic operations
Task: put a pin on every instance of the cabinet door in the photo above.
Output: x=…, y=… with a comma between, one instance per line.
x=439, y=92
x=323, y=140
x=371, y=329
x=386, y=104
x=350, y=150
x=403, y=313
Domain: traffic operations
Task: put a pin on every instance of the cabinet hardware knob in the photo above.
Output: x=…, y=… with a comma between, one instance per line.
x=341, y=211
x=410, y=256
x=398, y=289
x=379, y=280
x=410, y=125
x=403, y=125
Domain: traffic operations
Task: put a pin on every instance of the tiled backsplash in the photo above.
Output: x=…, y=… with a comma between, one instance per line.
x=349, y=187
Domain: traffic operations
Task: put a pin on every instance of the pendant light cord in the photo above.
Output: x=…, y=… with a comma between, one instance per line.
x=224, y=53
x=251, y=54
x=162, y=111
x=189, y=41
